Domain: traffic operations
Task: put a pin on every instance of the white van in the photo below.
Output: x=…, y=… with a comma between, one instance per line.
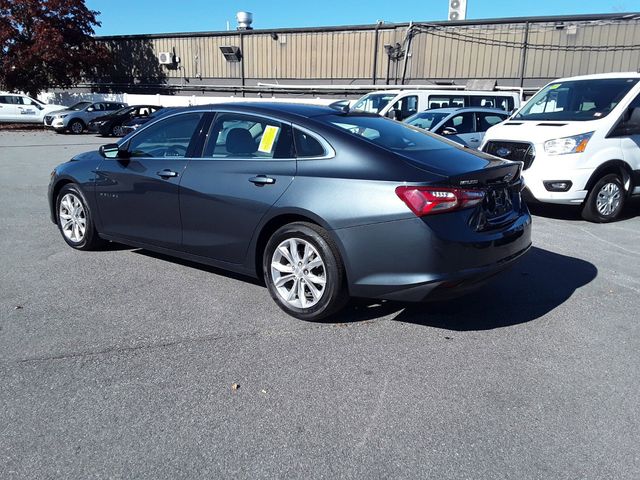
x=400, y=104
x=579, y=139
x=18, y=108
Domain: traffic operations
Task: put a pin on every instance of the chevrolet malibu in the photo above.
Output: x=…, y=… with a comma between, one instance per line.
x=321, y=202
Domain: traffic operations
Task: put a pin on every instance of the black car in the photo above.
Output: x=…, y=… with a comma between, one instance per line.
x=136, y=122
x=321, y=203
x=112, y=124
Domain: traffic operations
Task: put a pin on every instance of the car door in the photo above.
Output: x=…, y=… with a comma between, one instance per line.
x=464, y=125
x=94, y=111
x=138, y=195
x=486, y=120
x=27, y=109
x=630, y=140
x=246, y=165
x=8, y=108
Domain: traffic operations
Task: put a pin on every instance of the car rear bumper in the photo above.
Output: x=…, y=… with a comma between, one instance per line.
x=407, y=260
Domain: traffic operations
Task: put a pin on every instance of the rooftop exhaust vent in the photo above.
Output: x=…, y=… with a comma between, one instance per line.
x=245, y=19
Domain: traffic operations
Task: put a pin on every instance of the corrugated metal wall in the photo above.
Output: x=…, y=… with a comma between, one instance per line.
x=438, y=52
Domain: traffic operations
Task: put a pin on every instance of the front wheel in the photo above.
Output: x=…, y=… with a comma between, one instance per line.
x=605, y=200
x=116, y=130
x=303, y=271
x=76, y=126
x=75, y=220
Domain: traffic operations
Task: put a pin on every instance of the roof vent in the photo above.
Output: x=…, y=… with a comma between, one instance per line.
x=245, y=19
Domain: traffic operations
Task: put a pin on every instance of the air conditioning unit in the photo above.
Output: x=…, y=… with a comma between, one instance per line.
x=457, y=10
x=166, y=58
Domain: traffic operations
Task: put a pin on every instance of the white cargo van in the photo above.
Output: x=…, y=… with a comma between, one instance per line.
x=579, y=139
x=400, y=104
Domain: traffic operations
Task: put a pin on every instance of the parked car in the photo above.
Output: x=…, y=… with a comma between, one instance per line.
x=136, y=122
x=76, y=117
x=579, y=139
x=321, y=203
x=18, y=108
x=111, y=124
x=463, y=125
x=400, y=104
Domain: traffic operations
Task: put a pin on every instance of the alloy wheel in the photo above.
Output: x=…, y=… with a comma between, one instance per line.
x=72, y=217
x=76, y=127
x=298, y=273
x=608, y=199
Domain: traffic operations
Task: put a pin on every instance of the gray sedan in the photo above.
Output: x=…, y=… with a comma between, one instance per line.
x=463, y=125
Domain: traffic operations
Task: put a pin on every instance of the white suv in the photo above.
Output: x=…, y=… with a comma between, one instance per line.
x=18, y=108
x=579, y=140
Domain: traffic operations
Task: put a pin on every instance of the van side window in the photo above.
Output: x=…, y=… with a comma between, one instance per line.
x=448, y=101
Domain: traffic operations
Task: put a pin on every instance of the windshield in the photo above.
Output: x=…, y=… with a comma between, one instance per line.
x=392, y=135
x=373, y=102
x=577, y=100
x=79, y=106
x=426, y=120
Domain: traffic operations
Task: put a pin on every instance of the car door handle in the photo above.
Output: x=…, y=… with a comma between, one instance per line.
x=262, y=180
x=166, y=173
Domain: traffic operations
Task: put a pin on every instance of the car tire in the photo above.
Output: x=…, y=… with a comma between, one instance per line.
x=304, y=273
x=605, y=200
x=75, y=220
x=76, y=126
x=116, y=130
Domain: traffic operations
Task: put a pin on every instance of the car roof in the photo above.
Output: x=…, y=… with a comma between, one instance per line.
x=284, y=110
x=465, y=109
x=600, y=76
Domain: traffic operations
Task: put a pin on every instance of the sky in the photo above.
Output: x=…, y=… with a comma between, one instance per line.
x=121, y=17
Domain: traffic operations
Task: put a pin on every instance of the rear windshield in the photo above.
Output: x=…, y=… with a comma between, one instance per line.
x=392, y=135
x=577, y=100
x=426, y=120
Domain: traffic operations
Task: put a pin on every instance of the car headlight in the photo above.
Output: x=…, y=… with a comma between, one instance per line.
x=562, y=146
x=62, y=115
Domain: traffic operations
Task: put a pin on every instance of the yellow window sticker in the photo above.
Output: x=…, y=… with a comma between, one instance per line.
x=554, y=86
x=268, y=139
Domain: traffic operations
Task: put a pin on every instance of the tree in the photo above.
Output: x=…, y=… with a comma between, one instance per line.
x=47, y=43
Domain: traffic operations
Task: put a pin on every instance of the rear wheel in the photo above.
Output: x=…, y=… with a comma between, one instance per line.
x=303, y=272
x=76, y=126
x=75, y=220
x=605, y=200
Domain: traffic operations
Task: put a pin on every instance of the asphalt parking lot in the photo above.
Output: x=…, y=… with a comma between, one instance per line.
x=120, y=363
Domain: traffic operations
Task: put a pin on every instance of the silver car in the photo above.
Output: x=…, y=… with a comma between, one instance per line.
x=76, y=117
x=462, y=125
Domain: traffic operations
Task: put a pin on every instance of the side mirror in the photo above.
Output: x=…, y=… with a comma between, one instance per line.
x=90, y=109
x=113, y=150
x=629, y=124
x=449, y=131
x=393, y=114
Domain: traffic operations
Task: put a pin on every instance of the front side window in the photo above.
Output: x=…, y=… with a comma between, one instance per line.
x=373, y=102
x=577, y=100
x=463, y=123
x=167, y=138
x=406, y=107
x=234, y=135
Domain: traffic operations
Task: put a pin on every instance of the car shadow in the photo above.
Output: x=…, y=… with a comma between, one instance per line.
x=572, y=213
x=536, y=285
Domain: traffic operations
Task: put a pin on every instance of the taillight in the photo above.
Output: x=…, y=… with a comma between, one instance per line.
x=431, y=200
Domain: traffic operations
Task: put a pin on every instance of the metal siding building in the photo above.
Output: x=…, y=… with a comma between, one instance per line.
x=514, y=52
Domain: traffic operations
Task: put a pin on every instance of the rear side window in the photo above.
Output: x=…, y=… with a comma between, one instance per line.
x=306, y=145
x=484, y=121
x=167, y=138
x=235, y=135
